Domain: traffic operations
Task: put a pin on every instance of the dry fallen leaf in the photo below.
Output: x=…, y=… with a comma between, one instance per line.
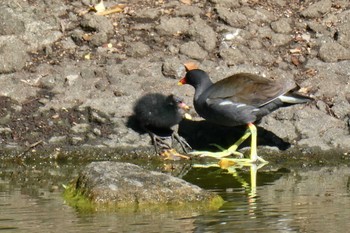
x=295, y=60
x=187, y=2
x=295, y=50
x=99, y=7
x=114, y=9
x=304, y=90
x=191, y=66
x=86, y=37
x=87, y=56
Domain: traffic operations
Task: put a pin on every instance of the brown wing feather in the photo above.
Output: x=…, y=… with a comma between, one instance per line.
x=249, y=89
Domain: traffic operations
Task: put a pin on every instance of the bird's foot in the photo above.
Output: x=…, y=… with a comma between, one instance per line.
x=217, y=155
x=221, y=154
x=160, y=143
x=172, y=154
x=256, y=158
x=183, y=143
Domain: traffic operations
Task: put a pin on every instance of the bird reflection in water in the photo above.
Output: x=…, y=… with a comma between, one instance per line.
x=231, y=166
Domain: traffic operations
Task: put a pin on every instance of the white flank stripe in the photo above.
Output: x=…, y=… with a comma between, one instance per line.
x=226, y=102
x=291, y=100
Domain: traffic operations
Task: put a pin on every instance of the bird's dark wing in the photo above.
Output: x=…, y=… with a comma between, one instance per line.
x=248, y=89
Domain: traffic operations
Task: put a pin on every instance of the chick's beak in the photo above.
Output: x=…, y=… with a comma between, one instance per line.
x=184, y=106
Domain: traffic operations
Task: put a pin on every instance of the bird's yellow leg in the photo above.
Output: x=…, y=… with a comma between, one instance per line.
x=232, y=150
x=253, y=146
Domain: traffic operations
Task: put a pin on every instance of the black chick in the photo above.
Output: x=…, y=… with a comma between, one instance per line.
x=158, y=111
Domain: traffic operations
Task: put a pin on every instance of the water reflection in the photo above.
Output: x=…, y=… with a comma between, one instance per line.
x=231, y=166
x=258, y=199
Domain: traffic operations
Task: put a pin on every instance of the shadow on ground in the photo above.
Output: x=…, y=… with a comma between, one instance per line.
x=201, y=134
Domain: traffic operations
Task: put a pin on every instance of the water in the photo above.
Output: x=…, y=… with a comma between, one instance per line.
x=296, y=200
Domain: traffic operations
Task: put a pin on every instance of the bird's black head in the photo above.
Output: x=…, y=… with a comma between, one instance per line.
x=195, y=78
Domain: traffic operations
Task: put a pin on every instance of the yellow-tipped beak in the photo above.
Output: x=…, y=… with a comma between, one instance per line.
x=182, y=81
x=184, y=106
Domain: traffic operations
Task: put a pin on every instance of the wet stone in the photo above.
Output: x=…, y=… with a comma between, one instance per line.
x=123, y=184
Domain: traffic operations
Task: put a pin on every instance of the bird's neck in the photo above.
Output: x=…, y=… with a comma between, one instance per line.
x=205, y=84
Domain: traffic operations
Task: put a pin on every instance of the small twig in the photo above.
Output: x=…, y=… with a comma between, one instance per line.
x=30, y=147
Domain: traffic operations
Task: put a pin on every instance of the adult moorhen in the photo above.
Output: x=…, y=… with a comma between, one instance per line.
x=155, y=110
x=240, y=99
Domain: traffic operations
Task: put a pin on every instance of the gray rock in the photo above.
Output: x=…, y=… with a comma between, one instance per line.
x=97, y=132
x=75, y=140
x=280, y=39
x=124, y=184
x=81, y=128
x=99, y=39
x=147, y=14
x=5, y=131
x=234, y=19
x=172, y=26
x=227, y=3
x=344, y=35
x=39, y=34
x=13, y=54
x=4, y=120
x=92, y=22
x=95, y=117
x=138, y=49
x=258, y=16
x=233, y=56
x=57, y=139
x=173, y=68
x=317, y=9
x=333, y=52
x=188, y=11
x=341, y=108
x=203, y=34
x=193, y=50
x=282, y=26
x=9, y=23
x=308, y=130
